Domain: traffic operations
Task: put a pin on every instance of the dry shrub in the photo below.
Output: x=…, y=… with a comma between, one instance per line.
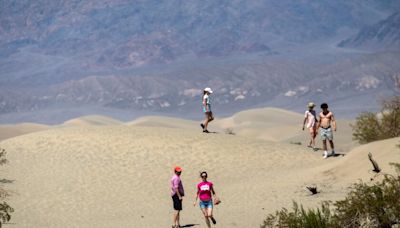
x=5, y=209
x=370, y=127
x=376, y=205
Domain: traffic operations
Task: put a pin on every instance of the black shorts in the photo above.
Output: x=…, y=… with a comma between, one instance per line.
x=177, y=202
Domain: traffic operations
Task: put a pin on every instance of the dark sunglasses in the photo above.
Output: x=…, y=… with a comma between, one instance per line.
x=203, y=176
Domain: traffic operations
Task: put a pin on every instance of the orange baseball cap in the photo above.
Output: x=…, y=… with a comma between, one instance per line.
x=178, y=169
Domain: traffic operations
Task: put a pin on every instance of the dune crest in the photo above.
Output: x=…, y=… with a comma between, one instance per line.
x=91, y=120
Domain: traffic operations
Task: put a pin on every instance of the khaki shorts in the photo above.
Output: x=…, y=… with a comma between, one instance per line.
x=326, y=134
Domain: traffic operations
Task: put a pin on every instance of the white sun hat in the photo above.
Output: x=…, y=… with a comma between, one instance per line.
x=208, y=89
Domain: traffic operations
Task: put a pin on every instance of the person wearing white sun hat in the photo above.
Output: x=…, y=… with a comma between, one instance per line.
x=207, y=109
x=310, y=118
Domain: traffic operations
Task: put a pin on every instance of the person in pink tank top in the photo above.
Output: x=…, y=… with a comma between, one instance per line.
x=205, y=192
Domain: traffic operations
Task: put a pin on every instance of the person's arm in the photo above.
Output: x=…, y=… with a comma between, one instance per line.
x=305, y=119
x=333, y=122
x=178, y=193
x=213, y=192
x=197, y=196
x=319, y=122
x=176, y=187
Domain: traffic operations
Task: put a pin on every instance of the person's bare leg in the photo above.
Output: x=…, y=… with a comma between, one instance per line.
x=210, y=117
x=178, y=219
x=205, y=213
x=206, y=120
x=325, y=148
x=313, y=139
x=210, y=215
x=175, y=218
x=332, y=147
x=331, y=144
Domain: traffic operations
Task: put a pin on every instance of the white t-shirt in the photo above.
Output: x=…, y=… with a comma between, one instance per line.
x=207, y=99
x=311, y=118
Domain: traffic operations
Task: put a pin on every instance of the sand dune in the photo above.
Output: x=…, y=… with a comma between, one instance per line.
x=91, y=120
x=166, y=122
x=95, y=171
x=118, y=176
x=356, y=165
x=9, y=131
x=280, y=125
x=270, y=124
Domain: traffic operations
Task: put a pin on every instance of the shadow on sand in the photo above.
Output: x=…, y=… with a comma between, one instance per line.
x=337, y=155
x=190, y=225
x=211, y=132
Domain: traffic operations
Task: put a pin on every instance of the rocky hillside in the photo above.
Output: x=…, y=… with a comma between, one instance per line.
x=156, y=56
x=351, y=85
x=385, y=35
x=116, y=34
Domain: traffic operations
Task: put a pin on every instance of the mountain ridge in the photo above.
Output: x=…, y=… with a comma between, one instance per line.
x=141, y=57
x=384, y=35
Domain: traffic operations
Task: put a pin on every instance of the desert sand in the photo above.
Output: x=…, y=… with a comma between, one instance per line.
x=13, y=130
x=104, y=173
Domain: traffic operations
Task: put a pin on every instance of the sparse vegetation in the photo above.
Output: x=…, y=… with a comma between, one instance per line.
x=376, y=205
x=370, y=127
x=5, y=212
x=300, y=217
x=5, y=209
x=295, y=143
x=3, y=160
x=371, y=206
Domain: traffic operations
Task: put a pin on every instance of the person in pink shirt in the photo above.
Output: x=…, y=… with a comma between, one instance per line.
x=205, y=191
x=310, y=118
x=177, y=192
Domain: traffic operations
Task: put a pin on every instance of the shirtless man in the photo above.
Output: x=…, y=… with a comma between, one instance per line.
x=326, y=123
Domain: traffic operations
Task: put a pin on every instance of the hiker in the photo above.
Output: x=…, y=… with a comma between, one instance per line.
x=310, y=117
x=177, y=193
x=205, y=191
x=207, y=109
x=327, y=123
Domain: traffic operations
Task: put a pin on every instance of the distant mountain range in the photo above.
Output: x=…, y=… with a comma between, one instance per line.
x=156, y=56
x=385, y=35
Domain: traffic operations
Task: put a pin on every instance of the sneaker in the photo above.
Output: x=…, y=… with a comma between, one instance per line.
x=202, y=125
x=315, y=149
x=213, y=220
x=333, y=153
x=206, y=131
x=325, y=154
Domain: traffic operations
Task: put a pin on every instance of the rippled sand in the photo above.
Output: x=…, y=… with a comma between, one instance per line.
x=117, y=175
